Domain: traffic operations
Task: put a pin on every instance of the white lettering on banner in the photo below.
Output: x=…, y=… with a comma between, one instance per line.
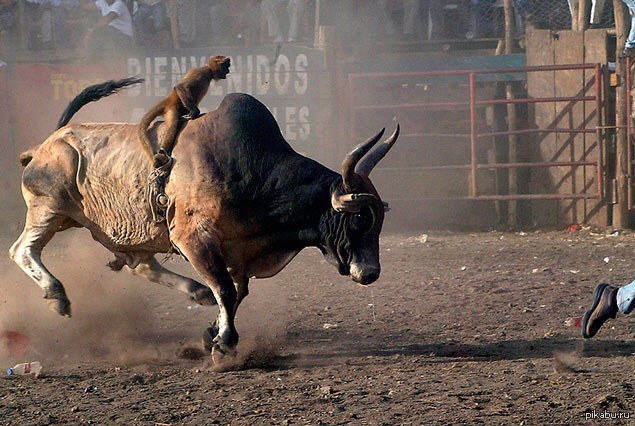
x=181, y=65
x=66, y=88
x=287, y=79
x=304, y=131
x=234, y=78
x=295, y=123
x=281, y=75
x=158, y=76
x=302, y=83
x=249, y=73
x=263, y=76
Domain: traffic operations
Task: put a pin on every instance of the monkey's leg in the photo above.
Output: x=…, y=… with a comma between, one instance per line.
x=172, y=122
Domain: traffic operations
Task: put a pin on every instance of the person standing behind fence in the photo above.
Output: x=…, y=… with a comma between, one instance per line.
x=113, y=32
x=270, y=13
x=216, y=23
x=150, y=21
x=245, y=17
x=629, y=46
x=411, y=17
x=8, y=23
x=66, y=16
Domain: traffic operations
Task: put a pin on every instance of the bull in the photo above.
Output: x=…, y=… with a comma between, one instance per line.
x=242, y=204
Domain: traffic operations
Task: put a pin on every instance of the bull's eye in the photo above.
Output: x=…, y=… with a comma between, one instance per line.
x=362, y=221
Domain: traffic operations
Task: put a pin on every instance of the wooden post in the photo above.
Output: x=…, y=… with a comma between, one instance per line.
x=584, y=10
x=512, y=184
x=575, y=12
x=174, y=24
x=621, y=208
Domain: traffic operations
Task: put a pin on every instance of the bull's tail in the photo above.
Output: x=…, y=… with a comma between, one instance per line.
x=90, y=94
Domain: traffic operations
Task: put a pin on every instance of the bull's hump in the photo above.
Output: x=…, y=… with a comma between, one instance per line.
x=240, y=106
x=240, y=98
x=242, y=117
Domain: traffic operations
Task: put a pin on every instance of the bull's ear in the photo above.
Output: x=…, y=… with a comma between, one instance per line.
x=351, y=203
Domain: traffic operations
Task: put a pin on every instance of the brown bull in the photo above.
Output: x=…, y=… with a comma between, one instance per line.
x=243, y=203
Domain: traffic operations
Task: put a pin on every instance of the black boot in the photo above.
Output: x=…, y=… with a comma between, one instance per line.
x=604, y=307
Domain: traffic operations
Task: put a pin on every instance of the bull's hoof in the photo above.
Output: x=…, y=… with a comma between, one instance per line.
x=62, y=306
x=203, y=296
x=222, y=354
x=117, y=264
x=208, y=338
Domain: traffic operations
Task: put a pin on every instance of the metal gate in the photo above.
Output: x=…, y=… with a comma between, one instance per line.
x=481, y=152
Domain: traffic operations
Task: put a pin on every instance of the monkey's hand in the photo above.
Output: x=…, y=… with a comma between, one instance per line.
x=194, y=112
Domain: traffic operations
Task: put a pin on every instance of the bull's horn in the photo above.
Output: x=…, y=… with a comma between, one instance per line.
x=367, y=163
x=349, y=163
x=351, y=203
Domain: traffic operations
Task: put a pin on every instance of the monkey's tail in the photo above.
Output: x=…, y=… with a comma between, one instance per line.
x=144, y=125
x=93, y=93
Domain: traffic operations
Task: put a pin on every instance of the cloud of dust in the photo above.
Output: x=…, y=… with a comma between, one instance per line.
x=262, y=325
x=263, y=328
x=112, y=319
x=121, y=318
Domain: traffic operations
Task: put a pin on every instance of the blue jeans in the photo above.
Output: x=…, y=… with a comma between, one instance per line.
x=630, y=41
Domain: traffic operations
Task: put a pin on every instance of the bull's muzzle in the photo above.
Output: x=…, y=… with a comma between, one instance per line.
x=364, y=275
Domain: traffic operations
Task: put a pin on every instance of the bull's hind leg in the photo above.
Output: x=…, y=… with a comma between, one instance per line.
x=41, y=225
x=153, y=271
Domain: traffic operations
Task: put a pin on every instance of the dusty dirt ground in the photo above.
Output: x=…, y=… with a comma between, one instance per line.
x=462, y=328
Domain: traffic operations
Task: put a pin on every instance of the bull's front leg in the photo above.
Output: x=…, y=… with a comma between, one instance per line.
x=242, y=290
x=202, y=248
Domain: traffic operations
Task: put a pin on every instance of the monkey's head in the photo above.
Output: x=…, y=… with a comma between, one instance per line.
x=219, y=65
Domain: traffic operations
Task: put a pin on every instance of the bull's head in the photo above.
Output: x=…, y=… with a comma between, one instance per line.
x=350, y=231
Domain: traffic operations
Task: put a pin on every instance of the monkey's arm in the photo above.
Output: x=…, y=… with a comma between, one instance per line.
x=188, y=100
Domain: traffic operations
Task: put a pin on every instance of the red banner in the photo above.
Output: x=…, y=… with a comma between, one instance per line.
x=42, y=92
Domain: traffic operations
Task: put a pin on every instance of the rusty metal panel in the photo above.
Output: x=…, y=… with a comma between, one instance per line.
x=425, y=174
x=595, y=52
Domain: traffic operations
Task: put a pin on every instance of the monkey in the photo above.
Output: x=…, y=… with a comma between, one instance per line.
x=183, y=102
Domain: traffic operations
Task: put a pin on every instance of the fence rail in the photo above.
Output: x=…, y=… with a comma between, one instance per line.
x=472, y=104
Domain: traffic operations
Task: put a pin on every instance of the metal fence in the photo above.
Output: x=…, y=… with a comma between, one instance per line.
x=556, y=14
x=42, y=26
